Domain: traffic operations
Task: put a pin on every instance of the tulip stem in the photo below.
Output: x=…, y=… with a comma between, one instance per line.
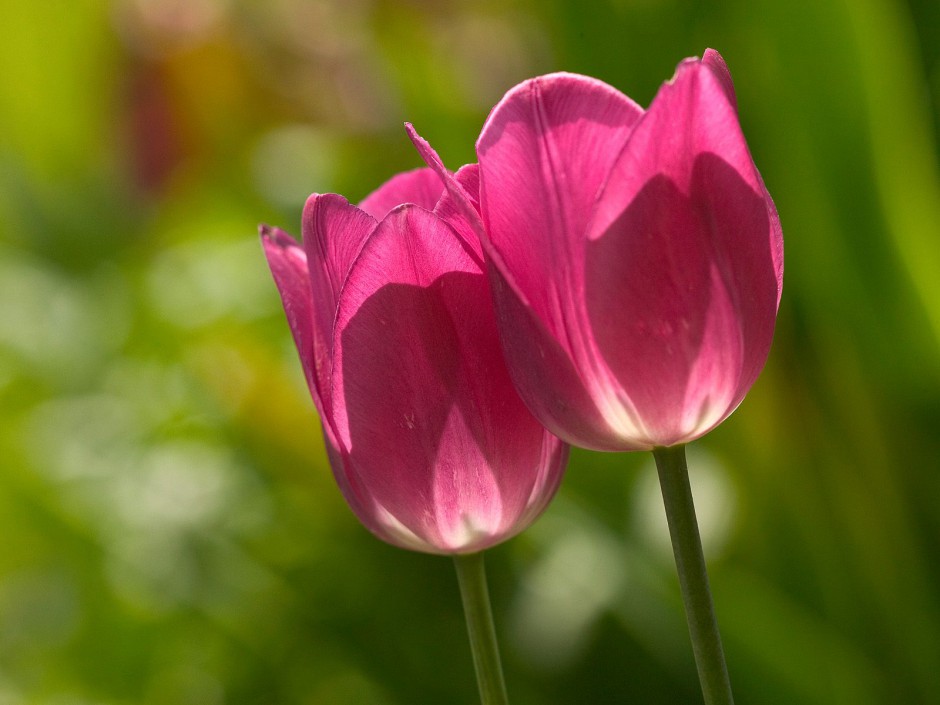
x=471, y=574
x=693, y=579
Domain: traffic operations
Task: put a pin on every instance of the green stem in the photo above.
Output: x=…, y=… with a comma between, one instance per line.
x=471, y=574
x=693, y=579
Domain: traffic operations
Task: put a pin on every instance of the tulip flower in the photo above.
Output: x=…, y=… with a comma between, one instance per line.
x=636, y=257
x=636, y=264
x=429, y=442
x=390, y=310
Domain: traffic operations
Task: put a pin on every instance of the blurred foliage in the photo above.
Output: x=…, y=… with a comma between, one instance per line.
x=171, y=532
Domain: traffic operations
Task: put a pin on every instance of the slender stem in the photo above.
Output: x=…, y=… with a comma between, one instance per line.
x=471, y=574
x=693, y=579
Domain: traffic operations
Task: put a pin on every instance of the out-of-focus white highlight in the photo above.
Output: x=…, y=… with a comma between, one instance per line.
x=715, y=506
x=579, y=576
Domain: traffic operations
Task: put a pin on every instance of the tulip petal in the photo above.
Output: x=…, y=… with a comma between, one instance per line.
x=684, y=263
x=554, y=390
x=419, y=186
x=647, y=298
x=460, y=204
x=545, y=151
x=452, y=212
x=422, y=397
x=716, y=62
x=288, y=264
x=334, y=232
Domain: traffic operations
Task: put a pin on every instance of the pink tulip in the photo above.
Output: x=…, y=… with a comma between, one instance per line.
x=391, y=313
x=636, y=258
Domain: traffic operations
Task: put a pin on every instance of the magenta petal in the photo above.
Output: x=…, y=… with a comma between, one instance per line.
x=448, y=453
x=647, y=296
x=419, y=186
x=544, y=152
x=288, y=264
x=684, y=265
x=460, y=205
x=334, y=232
x=716, y=63
x=543, y=372
x=468, y=178
x=454, y=213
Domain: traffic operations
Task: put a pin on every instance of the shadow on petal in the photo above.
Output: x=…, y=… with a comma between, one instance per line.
x=545, y=374
x=677, y=277
x=437, y=433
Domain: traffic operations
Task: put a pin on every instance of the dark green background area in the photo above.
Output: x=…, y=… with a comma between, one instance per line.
x=169, y=529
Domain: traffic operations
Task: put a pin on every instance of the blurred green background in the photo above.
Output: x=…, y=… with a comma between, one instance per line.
x=169, y=530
